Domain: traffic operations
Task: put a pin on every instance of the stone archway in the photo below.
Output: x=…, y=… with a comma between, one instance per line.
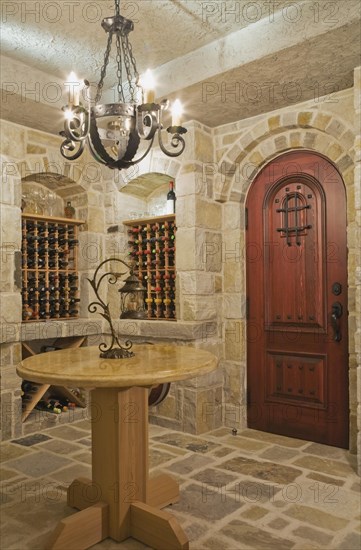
x=313, y=130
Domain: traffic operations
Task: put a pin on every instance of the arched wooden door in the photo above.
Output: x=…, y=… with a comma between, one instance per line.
x=297, y=345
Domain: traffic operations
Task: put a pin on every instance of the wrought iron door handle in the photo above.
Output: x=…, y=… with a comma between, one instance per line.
x=335, y=316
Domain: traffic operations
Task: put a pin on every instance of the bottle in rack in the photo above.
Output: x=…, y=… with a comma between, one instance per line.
x=49, y=279
x=69, y=210
x=171, y=198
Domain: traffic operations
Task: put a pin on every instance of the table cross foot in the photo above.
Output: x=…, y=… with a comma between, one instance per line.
x=156, y=528
x=162, y=491
x=82, y=530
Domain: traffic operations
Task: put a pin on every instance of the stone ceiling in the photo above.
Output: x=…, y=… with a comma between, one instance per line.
x=226, y=60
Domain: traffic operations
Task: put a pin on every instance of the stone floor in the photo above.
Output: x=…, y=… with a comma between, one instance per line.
x=252, y=490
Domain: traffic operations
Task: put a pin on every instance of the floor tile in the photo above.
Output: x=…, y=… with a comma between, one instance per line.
x=278, y=524
x=324, y=465
x=254, y=513
x=327, y=480
x=217, y=477
x=314, y=535
x=84, y=458
x=67, y=432
x=175, y=451
x=59, y=446
x=326, y=451
x=197, y=445
x=263, y=470
x=217, y=543
x=245, y=444
x=351, y=542
x=31, y=440
x=255, y=537
x=199, y=502
x=316, y=517
x=38, y=464
x=274, y=438
x=85, y=442
x=222, y=451
x=10, y=450
x=290, y=494
x=279, y=454
x=188, y=465
x=6, y=474
x=157, y=457
x=67, y=475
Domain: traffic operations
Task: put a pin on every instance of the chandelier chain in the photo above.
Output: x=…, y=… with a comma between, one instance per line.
x=104, y=68
x=117, y=8
x=133, y=62
x=127, y=62
x=119, y=71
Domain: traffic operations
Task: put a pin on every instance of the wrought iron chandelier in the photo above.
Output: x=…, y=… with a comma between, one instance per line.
x=114, y=131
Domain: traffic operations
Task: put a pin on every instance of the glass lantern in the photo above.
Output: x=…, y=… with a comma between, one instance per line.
x=132, y=295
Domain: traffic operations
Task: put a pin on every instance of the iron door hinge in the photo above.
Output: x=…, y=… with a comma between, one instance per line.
x=246, y=219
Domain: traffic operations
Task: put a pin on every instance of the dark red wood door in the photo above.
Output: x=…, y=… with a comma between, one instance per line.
x=297, y=345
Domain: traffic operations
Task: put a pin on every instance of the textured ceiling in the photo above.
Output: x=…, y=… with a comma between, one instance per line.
x=58, y=37
x=227, y=60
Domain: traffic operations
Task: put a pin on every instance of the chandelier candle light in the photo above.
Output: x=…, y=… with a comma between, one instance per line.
x=114, y=131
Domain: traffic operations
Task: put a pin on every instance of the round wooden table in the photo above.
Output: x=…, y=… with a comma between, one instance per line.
x=120, y=501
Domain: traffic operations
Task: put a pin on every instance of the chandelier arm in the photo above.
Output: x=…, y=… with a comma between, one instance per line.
x=149, y=120
x=175, y=142
x=81, y=120
x=69, y=145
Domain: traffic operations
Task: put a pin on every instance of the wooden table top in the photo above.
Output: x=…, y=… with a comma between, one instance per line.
x=151, y=365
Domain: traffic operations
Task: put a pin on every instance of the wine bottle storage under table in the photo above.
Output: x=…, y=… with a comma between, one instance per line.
x=151, y=245
x=50, y=280
x=46, y=397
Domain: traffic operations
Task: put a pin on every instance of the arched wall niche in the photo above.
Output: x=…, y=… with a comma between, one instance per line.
x=47, y=193
x=147, y=193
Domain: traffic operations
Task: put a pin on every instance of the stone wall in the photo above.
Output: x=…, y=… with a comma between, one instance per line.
x=241, y=150
x=212, y=179
x=99, y=198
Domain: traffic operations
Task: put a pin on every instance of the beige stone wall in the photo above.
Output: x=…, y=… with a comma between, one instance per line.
x=355, y=270
x=212, y=179
x=330, y=127
x=97, y=195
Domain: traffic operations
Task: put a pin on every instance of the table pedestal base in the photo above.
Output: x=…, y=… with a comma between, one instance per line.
x=121, y=501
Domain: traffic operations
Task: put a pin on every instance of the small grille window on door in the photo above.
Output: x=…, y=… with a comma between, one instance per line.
x=294, y=217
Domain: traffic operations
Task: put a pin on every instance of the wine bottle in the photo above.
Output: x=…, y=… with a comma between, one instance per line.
x=29, y=387
x=32, y=237
x=69, y=210
x=43, y=405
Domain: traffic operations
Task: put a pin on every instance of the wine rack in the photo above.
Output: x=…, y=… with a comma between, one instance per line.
x=46, y=396
x=49, y=270
x=151, y=254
